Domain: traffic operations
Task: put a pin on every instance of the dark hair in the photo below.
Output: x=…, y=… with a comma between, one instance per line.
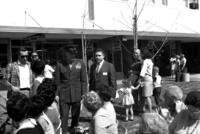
x=47, y=61
x=105, y=92
x=100, y=50
x=38, y=67
x=61, y=54
x=22, y=49
x=173, y=55
x=18, y=106
x=193, y=98
x=147, y=55
x=37, y=106
x=92, y=101
x=156, y=69
x=47, y=90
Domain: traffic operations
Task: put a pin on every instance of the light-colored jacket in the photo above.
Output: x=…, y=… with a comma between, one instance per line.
x=12, y=73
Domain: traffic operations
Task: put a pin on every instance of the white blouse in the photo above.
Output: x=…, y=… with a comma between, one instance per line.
x=147, y=68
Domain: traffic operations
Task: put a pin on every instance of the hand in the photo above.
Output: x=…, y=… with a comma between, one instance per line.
x=15, y=88
x=57, y=99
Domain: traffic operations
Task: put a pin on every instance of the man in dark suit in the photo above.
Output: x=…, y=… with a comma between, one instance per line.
x=102, y=72
x=71, y=78
x=135, y=70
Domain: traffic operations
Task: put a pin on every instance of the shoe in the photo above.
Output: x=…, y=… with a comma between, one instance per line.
x=131, y=119
x=126, y=120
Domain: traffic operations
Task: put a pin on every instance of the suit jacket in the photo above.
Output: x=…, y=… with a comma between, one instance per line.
x=72, y=83
x=106, y=76
x=12, y=73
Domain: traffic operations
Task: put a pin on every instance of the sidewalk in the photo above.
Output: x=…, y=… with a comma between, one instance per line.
x=132, y=126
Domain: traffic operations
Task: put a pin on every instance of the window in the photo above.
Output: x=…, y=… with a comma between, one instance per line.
x=194, y=4
x=165, y=2
x=160, y=2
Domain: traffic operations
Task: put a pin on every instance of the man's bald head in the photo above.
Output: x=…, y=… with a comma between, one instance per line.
x=137, y=54
x=137, y=51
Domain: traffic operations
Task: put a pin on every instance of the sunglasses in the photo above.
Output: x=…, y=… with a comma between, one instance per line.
x=97, y=55
x=24, y=56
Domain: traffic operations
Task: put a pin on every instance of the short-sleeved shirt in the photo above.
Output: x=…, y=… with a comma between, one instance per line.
x=105, y=121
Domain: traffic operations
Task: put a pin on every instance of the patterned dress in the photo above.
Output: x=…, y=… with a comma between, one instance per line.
x=127, y=99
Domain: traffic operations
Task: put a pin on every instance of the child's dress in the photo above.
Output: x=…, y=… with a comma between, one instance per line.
x=127, y=96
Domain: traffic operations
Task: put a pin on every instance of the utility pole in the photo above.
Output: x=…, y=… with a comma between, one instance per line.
x=135, y=26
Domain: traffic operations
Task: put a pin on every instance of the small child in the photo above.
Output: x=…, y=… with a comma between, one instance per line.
x=157, y=79
x=127, y=99
x=173, y=66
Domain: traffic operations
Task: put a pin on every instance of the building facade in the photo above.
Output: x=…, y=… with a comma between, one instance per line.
x=44, y=26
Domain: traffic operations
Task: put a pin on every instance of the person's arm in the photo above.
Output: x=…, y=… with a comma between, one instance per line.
x=143, y=69
x=34, y=88
x=8, y=77
x=184, y=63
x=51, y=69
x=112, y=78
x=135, y=88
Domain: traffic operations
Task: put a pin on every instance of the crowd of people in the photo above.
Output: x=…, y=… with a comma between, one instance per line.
x=178, y=64
x=40, y=98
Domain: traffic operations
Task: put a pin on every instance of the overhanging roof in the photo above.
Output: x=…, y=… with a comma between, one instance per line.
x=20, y=32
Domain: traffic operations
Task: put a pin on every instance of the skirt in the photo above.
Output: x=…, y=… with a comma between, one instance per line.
x=147, y=89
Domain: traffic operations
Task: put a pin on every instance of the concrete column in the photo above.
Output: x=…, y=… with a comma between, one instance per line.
x=33, y=44
x=9, y=51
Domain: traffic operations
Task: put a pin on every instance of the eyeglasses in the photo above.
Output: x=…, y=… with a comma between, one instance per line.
x=97, y=55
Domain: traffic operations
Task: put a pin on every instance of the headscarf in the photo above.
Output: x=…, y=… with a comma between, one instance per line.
x=175, y=92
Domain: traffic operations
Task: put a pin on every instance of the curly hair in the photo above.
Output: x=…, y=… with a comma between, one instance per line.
x=92, y=101
x=18, y=106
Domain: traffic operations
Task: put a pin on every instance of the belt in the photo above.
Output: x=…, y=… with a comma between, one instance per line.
x=148, y=75
x=22, y=89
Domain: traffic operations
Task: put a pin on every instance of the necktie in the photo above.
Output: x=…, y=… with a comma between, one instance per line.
x=70, y=66
x=97, y=68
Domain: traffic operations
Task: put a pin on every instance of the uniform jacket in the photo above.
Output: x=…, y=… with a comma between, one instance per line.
x=72, y=83
x=106, y=76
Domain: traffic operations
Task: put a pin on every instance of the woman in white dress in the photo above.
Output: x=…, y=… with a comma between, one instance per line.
x=147, y=80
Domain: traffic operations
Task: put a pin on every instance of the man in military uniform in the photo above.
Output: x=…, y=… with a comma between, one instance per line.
x=71, y=78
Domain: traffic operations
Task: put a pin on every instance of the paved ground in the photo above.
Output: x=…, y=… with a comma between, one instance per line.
x=132, y=126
